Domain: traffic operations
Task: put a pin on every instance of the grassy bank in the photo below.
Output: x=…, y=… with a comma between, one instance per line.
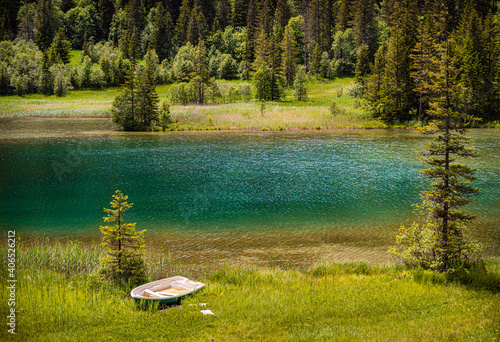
x=283, y=115
x=56, y=301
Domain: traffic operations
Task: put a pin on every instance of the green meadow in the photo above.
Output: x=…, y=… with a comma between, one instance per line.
x=57, y=300
x=286, y=114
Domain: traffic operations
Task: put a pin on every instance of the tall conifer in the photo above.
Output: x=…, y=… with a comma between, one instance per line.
x=289, y=56
x=441, y=244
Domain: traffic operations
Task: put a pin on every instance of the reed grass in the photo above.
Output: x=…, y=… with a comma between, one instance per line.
x=58, y=301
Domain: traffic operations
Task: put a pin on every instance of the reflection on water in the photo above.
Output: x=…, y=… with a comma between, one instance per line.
x=209, y=196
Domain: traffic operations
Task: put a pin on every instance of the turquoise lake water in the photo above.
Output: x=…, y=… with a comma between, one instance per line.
x=57, y=175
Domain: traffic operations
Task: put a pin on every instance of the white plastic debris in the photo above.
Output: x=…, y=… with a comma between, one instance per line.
x=207, y=312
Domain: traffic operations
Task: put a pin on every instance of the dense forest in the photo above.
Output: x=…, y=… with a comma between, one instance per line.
x=393, y=48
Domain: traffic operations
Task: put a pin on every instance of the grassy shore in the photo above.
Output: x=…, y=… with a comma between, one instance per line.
x=286, y=114
x=56, y=300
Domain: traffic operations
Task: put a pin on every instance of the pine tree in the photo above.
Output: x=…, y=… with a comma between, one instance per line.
x=289, y=56
x=130, y=43
x=124, y=258
x=400, y=97
x=262, y=49
x=222, y=15
x=491, y=65
x=124, y=109
x=45, y=24
x=250, y=38
x=344, y=15
x=239, y=12
x=27, y=18
x=182, y=24
x=262, y=81
x=197, y=27
x=364, y=28
x=424, y=66
x=59, y=51
x=441, y=244
x=281, y=17
x=200, y=78
x=46, y=81
x=375, y=86
x=147, y=98
x=362, y=65
x=105, y=10
x=161, y=38
x=299, y=84
x=316, y=60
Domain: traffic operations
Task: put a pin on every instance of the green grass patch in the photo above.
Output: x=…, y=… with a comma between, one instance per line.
x=56, y=300
x=287, y=114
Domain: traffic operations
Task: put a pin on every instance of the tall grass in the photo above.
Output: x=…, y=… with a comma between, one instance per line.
x=286, y=114
x=56, y=300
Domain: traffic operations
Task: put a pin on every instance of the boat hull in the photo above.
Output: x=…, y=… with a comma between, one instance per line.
x=166, y=291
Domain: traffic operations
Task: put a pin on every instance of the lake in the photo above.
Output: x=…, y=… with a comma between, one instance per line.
x=291, y=195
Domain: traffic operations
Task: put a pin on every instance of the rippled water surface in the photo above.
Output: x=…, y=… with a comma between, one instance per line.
x=209, y=192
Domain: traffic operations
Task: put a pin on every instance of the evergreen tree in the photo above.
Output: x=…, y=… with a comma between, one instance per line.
x=222, y=15
x=344, y=15
x=475, y=46
x=250, y=38
x=45, y=24
x=316, y=60
x=365, y=32
x=124, y=109
x=441, y=244
x=289, y=56
x=197, y=27
x=325, y=65
x=362, y=65
x=130, y=42
x=200, y=78
x=59, y=51
x=375, y=86
x=239, y=12
x=46, y=81
x=424, y=65
x=262, y=81
x=27, y=18
x=181, y=27
x=147, y=98
x=399, y=96
x=491, y=68
x=106, y=10
x=161, y=37
x=281, y=17
x=299, y=84
x=262, y=49
x=124, y=258
x=319, y=21
x=264, y=42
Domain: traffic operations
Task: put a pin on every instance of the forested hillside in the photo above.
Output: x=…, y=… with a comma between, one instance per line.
x=393, y=48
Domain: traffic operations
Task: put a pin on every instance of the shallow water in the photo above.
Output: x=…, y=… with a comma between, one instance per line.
x=236, y=194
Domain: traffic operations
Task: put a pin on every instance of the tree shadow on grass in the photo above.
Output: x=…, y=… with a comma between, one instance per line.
x=477, y=277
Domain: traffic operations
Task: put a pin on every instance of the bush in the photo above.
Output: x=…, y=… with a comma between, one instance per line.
x=179, y=93
x=62, y=79
x=97, y=77
x=335, y=109
x=299, y=84
x=228, y=69
x=245, y=91
x=183, y=63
